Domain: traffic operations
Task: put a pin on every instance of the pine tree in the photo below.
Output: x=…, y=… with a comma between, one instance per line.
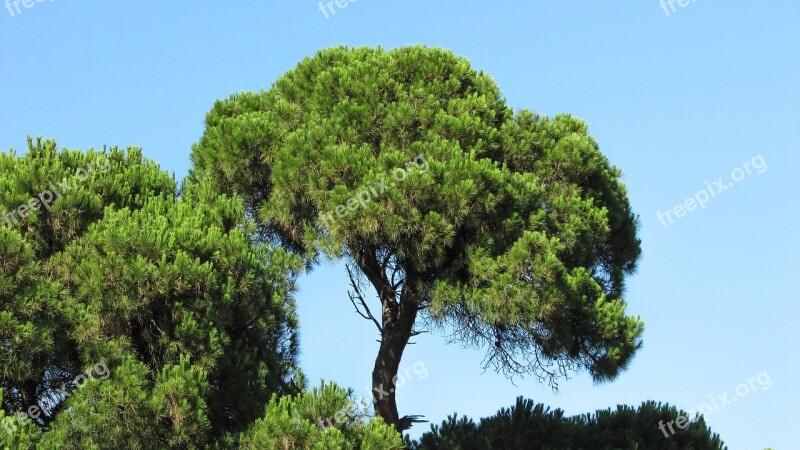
x=529, y=426
x=168, y=290
x=327, y=417
x=510, y=230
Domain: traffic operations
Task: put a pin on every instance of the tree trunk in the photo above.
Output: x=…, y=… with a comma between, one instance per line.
x=397, y=317
x=398, y=324
x=383, y=376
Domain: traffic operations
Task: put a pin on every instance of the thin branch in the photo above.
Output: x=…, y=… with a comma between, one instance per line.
x=356, y=294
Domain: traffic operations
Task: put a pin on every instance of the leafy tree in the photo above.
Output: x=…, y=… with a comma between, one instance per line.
x=510, y=230
x=192, y=318
x=324, y=418
x=526, y=426
x=35, y=358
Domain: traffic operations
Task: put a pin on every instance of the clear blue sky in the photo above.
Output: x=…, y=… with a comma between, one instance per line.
x=675, y=101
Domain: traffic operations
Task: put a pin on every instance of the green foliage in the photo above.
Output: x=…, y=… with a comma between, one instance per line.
x=119, y=412
x=324, y=418
x=16, y=432
x=194, y=319
x=517, y=235
x=34, y=313
x=526, y=426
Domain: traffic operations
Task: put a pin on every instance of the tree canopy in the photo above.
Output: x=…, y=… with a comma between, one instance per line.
x=529, y=426
x=510, y=230
x=193, y=320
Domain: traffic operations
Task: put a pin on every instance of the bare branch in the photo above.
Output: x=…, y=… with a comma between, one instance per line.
x=356, y=294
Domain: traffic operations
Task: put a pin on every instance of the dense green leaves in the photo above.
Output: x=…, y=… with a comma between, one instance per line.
x=516, y=236
x=36, y=358
x=529, y=426
x=324, y=418
x=193, y=318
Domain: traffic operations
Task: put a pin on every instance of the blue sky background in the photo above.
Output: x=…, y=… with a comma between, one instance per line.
x=675, y=101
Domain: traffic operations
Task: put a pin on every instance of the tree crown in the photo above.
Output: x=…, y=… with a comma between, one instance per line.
x=512, y=230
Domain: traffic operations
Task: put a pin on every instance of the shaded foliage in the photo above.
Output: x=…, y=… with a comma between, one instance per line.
x=323, y=418
x=194, y=319
x=529, y=426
